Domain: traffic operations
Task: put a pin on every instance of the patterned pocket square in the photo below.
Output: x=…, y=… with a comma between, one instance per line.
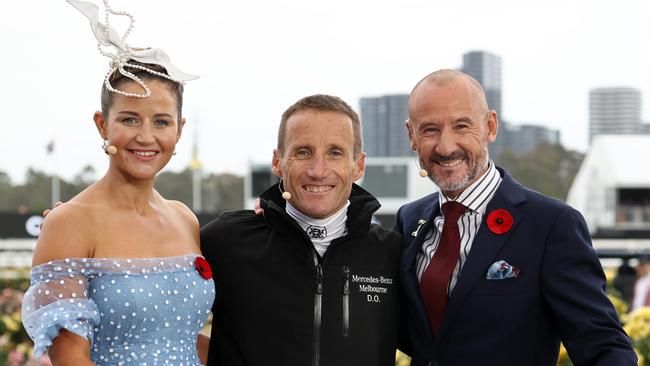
x=501, y=270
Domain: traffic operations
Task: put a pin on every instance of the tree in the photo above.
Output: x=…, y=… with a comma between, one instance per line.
x=176, y=186
x=85, y=177
x=223, y=192
x=549, y=169
x=219, y=191
x=6, y=189
x=36, y=194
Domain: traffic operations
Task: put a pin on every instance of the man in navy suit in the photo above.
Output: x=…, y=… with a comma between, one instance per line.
x=513, y=273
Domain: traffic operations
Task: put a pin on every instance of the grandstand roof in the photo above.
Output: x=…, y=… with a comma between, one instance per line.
x=623, y=160
x=612, y=162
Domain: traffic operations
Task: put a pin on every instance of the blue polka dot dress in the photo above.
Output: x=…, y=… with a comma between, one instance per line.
x=140, y=311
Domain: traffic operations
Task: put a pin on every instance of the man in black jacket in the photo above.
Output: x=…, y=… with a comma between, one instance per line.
x=312, y=282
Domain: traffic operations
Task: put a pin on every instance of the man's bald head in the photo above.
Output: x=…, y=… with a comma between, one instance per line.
x=446, y=76
x=450, y=127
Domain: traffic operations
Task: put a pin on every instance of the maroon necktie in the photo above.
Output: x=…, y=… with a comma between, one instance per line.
x=435, y=279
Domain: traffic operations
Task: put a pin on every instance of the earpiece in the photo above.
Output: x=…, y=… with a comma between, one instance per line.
x=109, y=149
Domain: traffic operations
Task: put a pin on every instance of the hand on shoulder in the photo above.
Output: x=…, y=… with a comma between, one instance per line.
x=47, y=211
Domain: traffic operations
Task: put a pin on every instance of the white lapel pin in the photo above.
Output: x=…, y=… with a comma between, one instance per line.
x=420, y=223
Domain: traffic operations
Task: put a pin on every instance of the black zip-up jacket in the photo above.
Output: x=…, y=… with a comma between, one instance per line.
x=279, y=303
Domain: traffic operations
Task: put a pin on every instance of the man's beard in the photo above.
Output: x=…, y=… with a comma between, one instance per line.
x=448, y=184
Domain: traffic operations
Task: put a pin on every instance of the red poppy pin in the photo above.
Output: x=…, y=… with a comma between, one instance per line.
x=499, y=221
x=203, y=267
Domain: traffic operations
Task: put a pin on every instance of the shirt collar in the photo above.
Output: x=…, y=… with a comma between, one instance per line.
x=478, y=194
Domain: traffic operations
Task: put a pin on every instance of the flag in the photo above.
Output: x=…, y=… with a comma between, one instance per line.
x=50, y=147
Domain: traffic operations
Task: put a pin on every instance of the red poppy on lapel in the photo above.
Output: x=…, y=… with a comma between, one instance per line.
x=203, y=267
x=499, y=221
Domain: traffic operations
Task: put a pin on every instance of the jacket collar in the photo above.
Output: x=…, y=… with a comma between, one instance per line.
x=362, y=206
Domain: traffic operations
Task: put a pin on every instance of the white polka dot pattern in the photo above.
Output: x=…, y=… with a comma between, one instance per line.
x=140, y=311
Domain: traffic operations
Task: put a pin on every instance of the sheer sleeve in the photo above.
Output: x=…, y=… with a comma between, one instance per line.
x=58, y=298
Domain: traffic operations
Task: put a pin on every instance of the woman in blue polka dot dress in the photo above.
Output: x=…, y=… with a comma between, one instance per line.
x=118, y=278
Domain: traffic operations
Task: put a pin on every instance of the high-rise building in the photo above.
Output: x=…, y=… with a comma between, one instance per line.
x=521, y=139
x=614, y=111
x=524, y=138
x=383, y=119
x=485, y=67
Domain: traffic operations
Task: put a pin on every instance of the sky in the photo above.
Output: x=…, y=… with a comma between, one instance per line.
x=257, y=57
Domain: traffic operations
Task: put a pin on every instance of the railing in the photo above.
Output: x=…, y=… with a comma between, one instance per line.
x=633, y=216
x=16, y=253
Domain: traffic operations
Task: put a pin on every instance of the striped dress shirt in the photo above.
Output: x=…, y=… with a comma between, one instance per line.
x=475, y=198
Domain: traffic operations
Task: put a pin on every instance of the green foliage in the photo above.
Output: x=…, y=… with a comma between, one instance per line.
x=549, y=169
x=36, y=193
x=15, y=283
x=223, y=192
x=219, y=191
x=176, y=186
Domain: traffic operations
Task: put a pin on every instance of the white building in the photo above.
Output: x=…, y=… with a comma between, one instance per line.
x=612, y=187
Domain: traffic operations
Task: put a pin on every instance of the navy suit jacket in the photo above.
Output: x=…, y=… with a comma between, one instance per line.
x=559, y=294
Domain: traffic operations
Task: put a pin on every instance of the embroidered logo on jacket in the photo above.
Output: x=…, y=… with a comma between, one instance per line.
x=374, y=287
x=316, y=232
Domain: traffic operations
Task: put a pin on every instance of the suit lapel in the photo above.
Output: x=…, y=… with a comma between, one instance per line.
x=485, y=248
x=410, y=282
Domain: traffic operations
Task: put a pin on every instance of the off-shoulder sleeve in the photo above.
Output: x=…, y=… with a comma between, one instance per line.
x=58, y=298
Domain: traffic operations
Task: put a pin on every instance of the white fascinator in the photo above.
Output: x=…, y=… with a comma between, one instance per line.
x=115, y=47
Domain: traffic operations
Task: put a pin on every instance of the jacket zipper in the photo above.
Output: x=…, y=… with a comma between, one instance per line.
x=318, y=302
x=346, y=300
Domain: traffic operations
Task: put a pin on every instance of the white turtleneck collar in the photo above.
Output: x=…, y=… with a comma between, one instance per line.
x=321, y=231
